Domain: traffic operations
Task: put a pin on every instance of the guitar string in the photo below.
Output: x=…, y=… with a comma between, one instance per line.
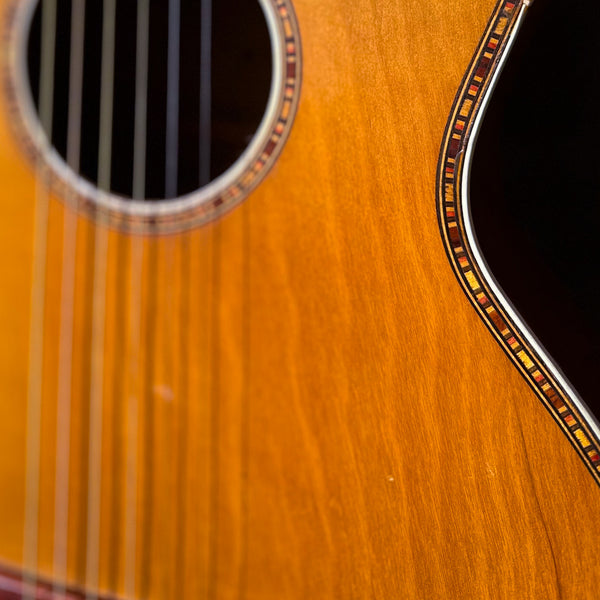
x=182, y=420
x=215, y=418
x=205, y=90
x=99, y=305
x=172, y=131
x=185, y=274
x=67, y=299
x=205, y=133
x=37, y=308
x=137, y=261
x=170, y=454
x=215, y=362
x=245, y=403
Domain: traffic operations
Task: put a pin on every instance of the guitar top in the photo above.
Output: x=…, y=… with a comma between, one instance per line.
x=250, y=345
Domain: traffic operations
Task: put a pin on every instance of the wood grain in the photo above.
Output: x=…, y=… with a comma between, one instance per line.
x=324, y=415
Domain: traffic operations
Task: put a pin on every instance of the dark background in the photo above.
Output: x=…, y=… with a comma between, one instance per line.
x=534, y=190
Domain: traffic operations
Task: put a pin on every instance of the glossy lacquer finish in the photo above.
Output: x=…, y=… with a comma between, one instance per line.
x=322, y=414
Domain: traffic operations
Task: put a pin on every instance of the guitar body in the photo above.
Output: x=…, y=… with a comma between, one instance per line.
x=320, y=412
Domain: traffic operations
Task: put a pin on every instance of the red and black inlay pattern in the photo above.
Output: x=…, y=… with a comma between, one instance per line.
x=14, y=587
x=451, y=220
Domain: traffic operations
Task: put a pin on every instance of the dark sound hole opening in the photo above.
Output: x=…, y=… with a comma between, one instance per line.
x=241, y=68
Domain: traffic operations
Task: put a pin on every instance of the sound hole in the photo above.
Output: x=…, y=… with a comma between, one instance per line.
x=240, y=83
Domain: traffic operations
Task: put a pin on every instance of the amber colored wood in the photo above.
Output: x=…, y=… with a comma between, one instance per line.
x=322, y=414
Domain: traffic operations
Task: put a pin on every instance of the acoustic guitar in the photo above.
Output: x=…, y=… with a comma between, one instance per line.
x=253, y=341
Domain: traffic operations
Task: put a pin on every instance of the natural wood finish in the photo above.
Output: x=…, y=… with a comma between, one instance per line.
x=350, y=428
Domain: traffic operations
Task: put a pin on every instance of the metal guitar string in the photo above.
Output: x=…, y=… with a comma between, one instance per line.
x=181, y=420
x=213, y=363
x=67, y=299
x=205, y=89
x=38, y=291
x=137, y=261
x=169, y=455
x=172, y=130
x=141, y=99
x=99, y=305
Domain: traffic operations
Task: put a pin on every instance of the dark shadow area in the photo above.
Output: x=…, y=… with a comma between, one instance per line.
x=535, y=191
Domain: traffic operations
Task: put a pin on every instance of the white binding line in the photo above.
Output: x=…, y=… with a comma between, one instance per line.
x=479, y=259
